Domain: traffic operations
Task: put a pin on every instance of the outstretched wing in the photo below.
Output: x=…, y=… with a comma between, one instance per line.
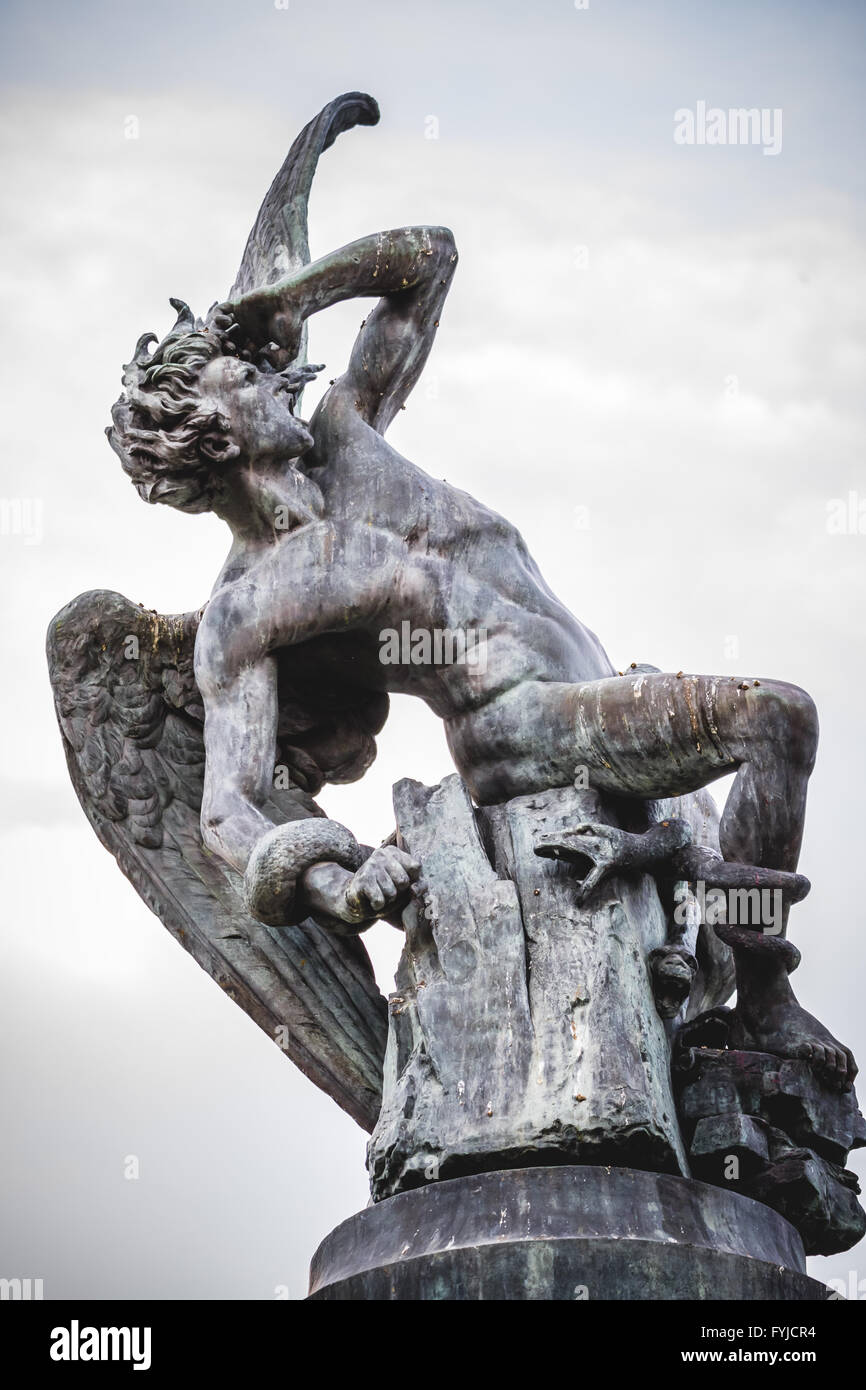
x=132, y=724
x=278, y=243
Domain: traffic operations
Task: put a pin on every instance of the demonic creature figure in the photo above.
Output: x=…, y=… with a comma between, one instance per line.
x=335, y=538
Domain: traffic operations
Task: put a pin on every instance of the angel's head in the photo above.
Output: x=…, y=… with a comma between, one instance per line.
x=194, y=409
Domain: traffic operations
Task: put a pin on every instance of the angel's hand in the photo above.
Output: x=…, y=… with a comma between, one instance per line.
x=381, y=885
x=379, y=888
x=265, y=315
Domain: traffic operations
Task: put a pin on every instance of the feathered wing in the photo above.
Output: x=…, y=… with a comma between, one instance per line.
x=278, y=243
x=132, y=724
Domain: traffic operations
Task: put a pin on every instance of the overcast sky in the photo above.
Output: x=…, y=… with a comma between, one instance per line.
x=652, y=360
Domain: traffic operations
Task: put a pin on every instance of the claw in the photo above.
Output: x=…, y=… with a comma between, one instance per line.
x=605, y=848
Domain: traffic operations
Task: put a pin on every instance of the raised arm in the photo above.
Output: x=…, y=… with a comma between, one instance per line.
x=410, y=269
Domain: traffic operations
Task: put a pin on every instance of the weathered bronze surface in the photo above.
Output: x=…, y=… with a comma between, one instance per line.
x=550, y=893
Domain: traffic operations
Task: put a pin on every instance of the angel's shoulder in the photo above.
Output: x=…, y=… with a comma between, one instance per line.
x=225, y=640
x=234, y=632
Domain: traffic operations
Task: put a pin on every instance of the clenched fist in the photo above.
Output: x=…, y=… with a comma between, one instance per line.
x=379, y=884
x=380, y=887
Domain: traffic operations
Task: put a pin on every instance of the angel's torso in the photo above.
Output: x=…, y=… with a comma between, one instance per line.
x=398, y=554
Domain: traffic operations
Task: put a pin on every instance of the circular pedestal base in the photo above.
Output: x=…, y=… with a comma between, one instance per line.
x=564, y=1233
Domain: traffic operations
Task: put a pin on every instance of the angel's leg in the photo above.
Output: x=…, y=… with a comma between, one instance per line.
x=659, y=735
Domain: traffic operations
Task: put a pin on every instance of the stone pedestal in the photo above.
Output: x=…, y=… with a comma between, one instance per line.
x=564, y=1233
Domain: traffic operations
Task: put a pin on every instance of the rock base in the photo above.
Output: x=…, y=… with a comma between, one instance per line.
x=768, y=1128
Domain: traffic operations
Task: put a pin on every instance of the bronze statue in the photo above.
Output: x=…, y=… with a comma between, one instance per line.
x=236, y=715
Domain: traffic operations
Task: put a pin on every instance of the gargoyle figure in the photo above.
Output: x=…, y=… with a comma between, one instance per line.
x=336, y=538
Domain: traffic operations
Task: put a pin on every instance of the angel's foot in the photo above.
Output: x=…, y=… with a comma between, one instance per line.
x=783, y=1028
x=768, y=1018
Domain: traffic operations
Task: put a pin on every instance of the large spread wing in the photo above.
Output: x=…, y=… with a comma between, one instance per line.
x=132, y=724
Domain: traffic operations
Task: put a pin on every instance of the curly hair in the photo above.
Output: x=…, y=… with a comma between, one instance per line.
x=160, y=420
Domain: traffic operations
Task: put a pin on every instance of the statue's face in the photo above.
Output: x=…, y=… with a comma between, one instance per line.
x=258, y=406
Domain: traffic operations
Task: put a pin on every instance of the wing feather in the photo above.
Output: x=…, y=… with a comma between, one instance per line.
x=278, y=242
x=131, y=718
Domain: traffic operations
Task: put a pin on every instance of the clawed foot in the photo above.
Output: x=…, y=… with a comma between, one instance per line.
x=594, y=847
x=601, y=848
x=789, y=1031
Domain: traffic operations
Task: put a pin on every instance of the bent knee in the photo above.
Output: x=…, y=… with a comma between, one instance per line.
x=806, y=726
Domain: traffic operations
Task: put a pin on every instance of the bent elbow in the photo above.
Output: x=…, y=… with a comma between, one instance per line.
x=444, y=245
